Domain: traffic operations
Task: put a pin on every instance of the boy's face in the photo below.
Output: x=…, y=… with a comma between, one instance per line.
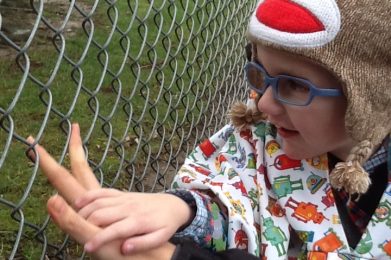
x=306, y=131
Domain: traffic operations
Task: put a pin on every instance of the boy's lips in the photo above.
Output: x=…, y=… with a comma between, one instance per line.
x=286, y=133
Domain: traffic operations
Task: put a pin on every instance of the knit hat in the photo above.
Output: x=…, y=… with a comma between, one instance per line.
x=352, y=39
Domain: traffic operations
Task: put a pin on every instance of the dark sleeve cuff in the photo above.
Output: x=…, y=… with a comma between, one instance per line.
x=189, y=250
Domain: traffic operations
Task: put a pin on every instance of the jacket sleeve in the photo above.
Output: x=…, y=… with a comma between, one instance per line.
x=222, y=171
x=203, y=223
x=189, y=250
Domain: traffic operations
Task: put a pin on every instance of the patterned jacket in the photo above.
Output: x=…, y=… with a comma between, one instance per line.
x=258, y=198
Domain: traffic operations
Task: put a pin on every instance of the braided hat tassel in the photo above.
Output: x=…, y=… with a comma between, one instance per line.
x=350, y=175
x=243, y=115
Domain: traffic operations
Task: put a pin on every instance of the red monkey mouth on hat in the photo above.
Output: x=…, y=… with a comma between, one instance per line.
x=288, y=16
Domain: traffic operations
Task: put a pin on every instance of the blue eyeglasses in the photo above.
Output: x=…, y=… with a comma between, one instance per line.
x=287, y=89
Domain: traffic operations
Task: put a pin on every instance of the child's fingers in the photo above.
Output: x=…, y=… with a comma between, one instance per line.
x=144, y=242
x=69, y=221
x=79, y=165
x=105, y=217
x=118, y=230
x=92, y=195
x=57, y=175
x=81, y=230
x=99, y=210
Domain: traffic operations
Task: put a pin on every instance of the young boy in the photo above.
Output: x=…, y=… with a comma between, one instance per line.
x=312, y=180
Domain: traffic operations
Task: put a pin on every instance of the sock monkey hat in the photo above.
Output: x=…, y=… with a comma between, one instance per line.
x=352, y=39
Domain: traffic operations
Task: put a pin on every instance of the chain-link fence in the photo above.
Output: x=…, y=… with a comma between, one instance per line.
x=146, y=80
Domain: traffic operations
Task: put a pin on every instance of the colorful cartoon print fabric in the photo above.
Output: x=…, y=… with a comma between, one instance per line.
x=268, y=194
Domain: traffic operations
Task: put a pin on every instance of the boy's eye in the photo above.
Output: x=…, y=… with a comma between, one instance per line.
x=293, y=85
x=256, y=78
x=293, y=91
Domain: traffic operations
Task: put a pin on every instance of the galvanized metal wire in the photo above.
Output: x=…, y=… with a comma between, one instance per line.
x=146, y=80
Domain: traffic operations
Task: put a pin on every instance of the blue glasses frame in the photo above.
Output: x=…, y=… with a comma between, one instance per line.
x=273, y=82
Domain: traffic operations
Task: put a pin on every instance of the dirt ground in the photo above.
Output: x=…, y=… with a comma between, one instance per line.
x=19, y=17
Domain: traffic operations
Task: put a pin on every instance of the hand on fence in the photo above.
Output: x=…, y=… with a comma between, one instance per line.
x=74, y=186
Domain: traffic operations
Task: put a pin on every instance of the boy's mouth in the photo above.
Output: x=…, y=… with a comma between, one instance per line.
x=286, y=133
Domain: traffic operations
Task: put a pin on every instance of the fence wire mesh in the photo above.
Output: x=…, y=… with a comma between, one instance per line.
x=146, y=80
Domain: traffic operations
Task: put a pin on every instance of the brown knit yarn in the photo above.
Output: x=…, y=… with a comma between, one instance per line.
x=350, y=175
x=242, y=115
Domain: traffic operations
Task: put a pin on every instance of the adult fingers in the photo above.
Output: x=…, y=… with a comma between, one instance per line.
x=79, y=164
x=57, y=175
x=69, y=221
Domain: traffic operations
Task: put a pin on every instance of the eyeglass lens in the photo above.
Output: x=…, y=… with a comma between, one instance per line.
x=293, y=91
x=288, y=89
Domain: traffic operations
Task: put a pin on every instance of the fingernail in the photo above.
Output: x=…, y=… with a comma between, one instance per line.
x=58, y=204
x=128, y=248
x=88, y=247
x=75, y=127
x=29, y=152
x=77, y=203
x=30, y=139
x=30, y=156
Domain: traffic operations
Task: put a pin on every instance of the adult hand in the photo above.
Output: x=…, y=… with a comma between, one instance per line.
x=72, y=187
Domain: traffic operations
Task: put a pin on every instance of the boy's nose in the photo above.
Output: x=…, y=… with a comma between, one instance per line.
x=268, y=105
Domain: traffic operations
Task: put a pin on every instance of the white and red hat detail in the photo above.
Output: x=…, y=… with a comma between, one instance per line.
x=296, y=23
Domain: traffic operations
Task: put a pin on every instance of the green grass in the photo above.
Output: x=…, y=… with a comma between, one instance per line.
x=171, y=67
x=16, y=177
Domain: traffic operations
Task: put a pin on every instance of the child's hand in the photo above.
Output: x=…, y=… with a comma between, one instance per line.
x=73, y=186
x=145, y=220
x=81, y=230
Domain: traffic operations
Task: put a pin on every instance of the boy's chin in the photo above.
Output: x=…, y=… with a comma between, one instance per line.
x=298, y=150
x=298, y=154
x=295, y=156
